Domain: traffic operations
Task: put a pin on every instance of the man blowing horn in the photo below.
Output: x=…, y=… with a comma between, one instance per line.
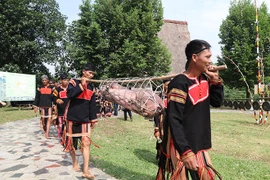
x=187, y=131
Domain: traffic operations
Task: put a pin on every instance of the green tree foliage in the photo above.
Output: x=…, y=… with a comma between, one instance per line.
x=120, y=38
x=238, y=35
x=31, y=33
x=65, y=63
x=233, y=93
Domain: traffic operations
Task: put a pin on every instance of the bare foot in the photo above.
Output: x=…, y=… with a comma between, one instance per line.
x=41, y=127
x=88, y=176
x=76, y=168
x=47, y=136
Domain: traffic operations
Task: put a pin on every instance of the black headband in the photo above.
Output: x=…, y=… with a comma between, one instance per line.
x=197, y=52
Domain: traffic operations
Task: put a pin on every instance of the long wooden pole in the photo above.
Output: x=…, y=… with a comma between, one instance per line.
x=216, y=68
x=131, y=80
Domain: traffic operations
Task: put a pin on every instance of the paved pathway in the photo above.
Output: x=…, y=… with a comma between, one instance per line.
x=26, y=154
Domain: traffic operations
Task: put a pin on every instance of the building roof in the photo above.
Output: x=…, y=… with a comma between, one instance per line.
x=175, y=22
x=175, y=36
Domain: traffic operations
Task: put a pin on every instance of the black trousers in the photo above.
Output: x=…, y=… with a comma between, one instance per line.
x=127, y=111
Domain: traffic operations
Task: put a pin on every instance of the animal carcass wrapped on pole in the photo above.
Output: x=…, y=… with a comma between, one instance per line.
x=141, y=101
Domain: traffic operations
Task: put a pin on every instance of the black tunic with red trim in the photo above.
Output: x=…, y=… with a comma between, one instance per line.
x=188, y=111
x=44, y=97
x=60, y=93
x=82, y=105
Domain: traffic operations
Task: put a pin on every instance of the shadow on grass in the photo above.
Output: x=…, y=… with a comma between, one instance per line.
x=11, y=109
x=145, y=155
x=120, y=172
x=251, y=122
x=15, y=109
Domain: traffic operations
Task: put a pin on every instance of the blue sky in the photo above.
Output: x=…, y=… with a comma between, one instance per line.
x=204, y=17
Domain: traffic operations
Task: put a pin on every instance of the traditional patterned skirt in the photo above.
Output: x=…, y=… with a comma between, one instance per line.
x=76, y=135
x=174, y=168
x=46, y=112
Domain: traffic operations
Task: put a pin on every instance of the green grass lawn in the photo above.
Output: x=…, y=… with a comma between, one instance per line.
x=8, y=114
x=241, y=149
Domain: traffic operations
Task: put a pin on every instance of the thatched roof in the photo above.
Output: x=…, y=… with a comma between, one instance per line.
x=175, y=36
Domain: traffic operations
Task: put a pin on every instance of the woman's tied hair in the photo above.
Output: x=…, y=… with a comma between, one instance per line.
x=195, y=47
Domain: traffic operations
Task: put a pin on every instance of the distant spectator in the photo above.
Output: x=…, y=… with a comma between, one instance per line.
x=115, y=109
x=127, y=112
x=107, y=109
x=98, y=104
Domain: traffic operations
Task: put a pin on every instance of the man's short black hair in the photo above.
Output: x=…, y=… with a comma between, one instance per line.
x=63, y=76
x=195, y=47
x=89, y=67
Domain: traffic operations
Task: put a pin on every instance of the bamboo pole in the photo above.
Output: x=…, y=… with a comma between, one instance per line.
x=216, y=68
x=130, y=80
